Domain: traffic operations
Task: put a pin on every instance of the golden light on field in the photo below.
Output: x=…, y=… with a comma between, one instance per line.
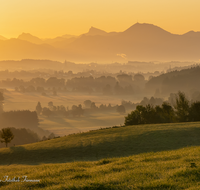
x=50, y=18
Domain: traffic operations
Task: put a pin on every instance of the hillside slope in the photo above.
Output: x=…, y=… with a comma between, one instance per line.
x=114, y=142
x=184, y=80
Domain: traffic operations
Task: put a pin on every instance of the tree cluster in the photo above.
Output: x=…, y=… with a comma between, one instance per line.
x=77, y=110
x=121, y=84
x=181, y=111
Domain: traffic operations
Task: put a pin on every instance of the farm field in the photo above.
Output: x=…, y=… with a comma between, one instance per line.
x=162, y=156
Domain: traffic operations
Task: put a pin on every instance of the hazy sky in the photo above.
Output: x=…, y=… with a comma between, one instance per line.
x=51, y=18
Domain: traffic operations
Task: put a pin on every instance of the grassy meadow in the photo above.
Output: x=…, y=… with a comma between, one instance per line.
x=134, y=157
x=149, y=171
x=99, y=144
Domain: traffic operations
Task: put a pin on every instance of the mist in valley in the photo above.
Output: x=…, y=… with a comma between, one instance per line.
x=51, y=99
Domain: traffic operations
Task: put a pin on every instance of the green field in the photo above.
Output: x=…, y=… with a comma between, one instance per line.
x=151, y=171
x=134, y=157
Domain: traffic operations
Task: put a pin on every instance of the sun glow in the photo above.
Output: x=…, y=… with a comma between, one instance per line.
x=49, y=18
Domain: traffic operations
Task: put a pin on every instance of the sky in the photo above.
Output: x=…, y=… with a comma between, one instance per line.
x=52, y=18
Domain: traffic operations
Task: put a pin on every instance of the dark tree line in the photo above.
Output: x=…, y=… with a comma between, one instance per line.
x=182, y=111
x=77, y=110
x=122, y=84
x=19, y=119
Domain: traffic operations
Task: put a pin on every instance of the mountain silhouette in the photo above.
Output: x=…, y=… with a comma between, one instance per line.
x=2, y=38
x=68, y=36
x=142, y=42
x=95, y=31
x=30, y=38
x=145, y=29
x=21, y=49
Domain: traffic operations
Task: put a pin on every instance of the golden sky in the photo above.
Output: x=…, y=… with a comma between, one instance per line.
x=51, y=18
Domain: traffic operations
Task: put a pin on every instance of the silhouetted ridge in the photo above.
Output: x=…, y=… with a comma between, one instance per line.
x=143, y=42
x=2, y=38
x=30, y=38
x=95, y=31
x=192, y=34
x=144, y=28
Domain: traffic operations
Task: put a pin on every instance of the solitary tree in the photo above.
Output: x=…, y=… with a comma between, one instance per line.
x=182, y=107
x=87, y=103
x=50, y=105
x=38, y=108
x=7, y=135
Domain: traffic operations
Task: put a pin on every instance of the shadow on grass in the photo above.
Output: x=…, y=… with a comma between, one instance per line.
x=118, y=146
x=160, y=186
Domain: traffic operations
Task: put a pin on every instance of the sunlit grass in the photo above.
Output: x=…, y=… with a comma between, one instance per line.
x=105, y=143
x=161, y=170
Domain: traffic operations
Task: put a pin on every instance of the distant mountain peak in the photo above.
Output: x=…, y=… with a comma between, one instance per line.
x=192, y=33
x=143, y=25
x=30, y=38
x=2, y=38
x=95, y=31
x=26, y=35
x=145, y=28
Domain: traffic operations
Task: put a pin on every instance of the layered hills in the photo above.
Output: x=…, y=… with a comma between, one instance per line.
x=143, y=42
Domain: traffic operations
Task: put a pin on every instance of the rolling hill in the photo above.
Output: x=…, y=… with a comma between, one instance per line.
x=105, y=143
x=144, y=157
x=186, y=80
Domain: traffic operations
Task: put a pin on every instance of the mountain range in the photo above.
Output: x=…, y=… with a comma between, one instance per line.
x=142, y=42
